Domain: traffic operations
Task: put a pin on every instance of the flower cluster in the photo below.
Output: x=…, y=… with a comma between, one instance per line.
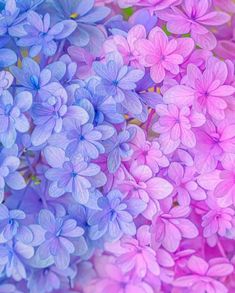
x=117, y=146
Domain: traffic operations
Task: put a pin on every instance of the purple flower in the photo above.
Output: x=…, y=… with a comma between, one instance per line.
x=12, y=117
x=118, y=148
x=8, y=174
x=87, y=34
x=75, y=176
x=48, y=116
x=6, y=80
x=39, y=82
x=102, y=107
x=13, y=255
x=115, y=217
x=119, y=81
x=7, y=58
x=58, y=243
x=86, y=139
x=11, y=225
x=41, y=37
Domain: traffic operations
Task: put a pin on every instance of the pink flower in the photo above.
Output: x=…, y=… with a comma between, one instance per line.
x=194, y=18
x=155, y=5
x=205, y=91
x=225, y=189
x=170, y=228
x=141, y=184
x=138, y=258
x=113, y=279
x=175, y=126
x=203, y=275
x=217, y=222
x=161, y=55
x=227, y=5
x=185, y=184
x=147, y=152
x=126, y=46
x=214, y=143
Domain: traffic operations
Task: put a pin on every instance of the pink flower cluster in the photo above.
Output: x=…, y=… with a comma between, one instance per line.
x=182, y=163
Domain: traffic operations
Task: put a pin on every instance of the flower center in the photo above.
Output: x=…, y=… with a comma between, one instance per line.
x=35, y=82
x=74, y=15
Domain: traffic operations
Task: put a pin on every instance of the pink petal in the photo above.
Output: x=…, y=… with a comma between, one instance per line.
x=184, y=46
x=178, y=26
x=188, y=138
x=223, y=91
x=164, y=258
x=220, y=270
x=172, y=237
x=137, y=32
x=159, y=188
x=198, y=265
x=205, y=41
x=214, y=18
x=187, y=228
x=141, y=173
x=179, y=95
x=157, y=73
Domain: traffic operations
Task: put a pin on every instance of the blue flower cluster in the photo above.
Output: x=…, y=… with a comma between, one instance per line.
x=62, y=137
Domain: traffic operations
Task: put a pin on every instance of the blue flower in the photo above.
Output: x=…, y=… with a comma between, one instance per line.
x=39, y=82
x=119, y=81
x=9, y=22
x=12, y=117
x=26, y=5
x=118, y=148
x=41, y=37
x=75, y=176
x=9, y=288
x=48, y=279
x=59, y=234
x=6, y=80
x=48, y=117
x=7, y=58
x=9, y=175
x=101, y=107
x=82, y=214
x=87, y=34
x=11, y=226
x=115, y=218
x=13, y=255
x=86, y=139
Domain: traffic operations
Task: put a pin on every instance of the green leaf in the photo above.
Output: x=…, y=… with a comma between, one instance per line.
x=127, y=12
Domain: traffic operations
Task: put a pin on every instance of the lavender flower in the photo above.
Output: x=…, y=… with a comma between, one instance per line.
x=115, y=218
x=75, y=176
x=12, y=118
x=58, y=242
x=39, y=36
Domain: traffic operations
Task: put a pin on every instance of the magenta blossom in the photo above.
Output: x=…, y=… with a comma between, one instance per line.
x=203, y=275
x=185, y=184
x=141, y=184
x=214, y=144
x=126, y=46
x=175, y=126
x=206, y=91
x=162, y=55
x=148, y=152
x=195, y=17
x=169, y=228
x=217, y=221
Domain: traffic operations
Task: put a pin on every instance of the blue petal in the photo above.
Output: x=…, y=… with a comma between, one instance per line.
x=7, y=58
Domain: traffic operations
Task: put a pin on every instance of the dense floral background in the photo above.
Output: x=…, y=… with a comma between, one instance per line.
x=117, y=146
